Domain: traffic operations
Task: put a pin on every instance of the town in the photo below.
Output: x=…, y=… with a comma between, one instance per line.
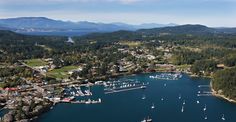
x=32, y=82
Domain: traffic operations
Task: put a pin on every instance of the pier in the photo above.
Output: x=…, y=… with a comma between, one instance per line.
x=89, y=101
x=202, y=95
x=123, y=90
x=201, y=86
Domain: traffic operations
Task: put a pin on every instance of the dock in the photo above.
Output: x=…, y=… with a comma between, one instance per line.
x=202, y=95
x=125, y=89
x=89, y=101
x=201, y=86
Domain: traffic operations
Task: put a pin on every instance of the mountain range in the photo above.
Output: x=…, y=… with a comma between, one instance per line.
x=46, y=26
x=43, y=25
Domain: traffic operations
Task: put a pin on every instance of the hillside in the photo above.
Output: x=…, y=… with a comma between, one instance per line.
x=187, y=29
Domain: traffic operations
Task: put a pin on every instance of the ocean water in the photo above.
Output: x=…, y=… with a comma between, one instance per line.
x=129, y=107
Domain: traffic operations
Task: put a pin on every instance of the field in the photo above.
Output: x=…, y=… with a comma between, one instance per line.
x=183, y=67
x=61, y=73
x=35, y=62
x=130, y=43
x=45, y=47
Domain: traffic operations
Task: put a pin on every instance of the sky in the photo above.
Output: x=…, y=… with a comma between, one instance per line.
x=213, y=13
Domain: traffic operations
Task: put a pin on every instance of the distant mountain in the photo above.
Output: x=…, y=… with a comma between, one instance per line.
x=154, y=25
x=43, y=25
x=46, y=26
x=187, y=29
x=145, y=25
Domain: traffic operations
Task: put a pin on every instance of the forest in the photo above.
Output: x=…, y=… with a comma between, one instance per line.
x=203, y=51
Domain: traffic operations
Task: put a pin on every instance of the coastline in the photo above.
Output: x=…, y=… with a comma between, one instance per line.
x=214, y=93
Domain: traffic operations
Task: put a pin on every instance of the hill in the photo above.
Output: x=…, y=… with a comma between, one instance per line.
x=187, y=29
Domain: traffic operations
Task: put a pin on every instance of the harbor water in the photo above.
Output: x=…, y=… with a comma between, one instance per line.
x=168, y=96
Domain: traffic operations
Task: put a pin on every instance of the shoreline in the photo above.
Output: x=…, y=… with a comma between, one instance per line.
x=214, y=93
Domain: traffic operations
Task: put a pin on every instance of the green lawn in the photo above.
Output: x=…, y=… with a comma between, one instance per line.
x=183, y=67
x=130, y=43
x=61, y=73
x=2, y=84
x=35, y=62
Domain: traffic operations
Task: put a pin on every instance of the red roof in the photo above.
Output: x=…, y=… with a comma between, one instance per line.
x=11, y=89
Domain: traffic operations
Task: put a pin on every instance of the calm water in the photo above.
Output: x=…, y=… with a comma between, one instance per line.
x=129, y=107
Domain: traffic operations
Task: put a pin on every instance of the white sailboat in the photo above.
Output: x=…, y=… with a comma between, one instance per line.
x=204, y=109
x=184, y=102
x=205, y=117
x=179, y=96
x=182, y=109
x=223, y=117
x=147, y=120
x=153, y=106
x=198, y=102
x=144, y=97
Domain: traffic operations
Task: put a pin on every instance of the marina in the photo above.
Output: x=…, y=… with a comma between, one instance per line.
x=167, y=76
x=122, y=86
x=154, y=103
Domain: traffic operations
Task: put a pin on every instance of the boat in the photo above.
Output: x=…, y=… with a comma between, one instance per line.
x=179, y=96
x=184, y=102
x=143, y=87
x=153, y=106
x=147, y=120
x=182, y=109
x=143, y=98
x=198, y=102
x=204, y=109
x=223, y=117
x=88, y=102
x=167, y=76
x=205, y=117
x=162, y=99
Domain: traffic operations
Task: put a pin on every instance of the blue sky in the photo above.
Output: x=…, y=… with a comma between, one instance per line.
x=214, y=13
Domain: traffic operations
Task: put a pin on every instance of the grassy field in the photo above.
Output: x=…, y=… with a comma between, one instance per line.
x=61, y=73
x=183, y=67
x=130, y=43
x=45, y=47
x=35, y=62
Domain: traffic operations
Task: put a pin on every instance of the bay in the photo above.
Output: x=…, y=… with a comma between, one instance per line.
x=130, y=107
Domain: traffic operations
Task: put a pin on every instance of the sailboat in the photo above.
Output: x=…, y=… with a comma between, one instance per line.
x=144, y=97
x=223, y=117
x=182, y=110
x=205, y=117
x=179, y=96
x=184, y=102
x=204, y=109
x=153, y=106
x=147, y=120
x=198, y=102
